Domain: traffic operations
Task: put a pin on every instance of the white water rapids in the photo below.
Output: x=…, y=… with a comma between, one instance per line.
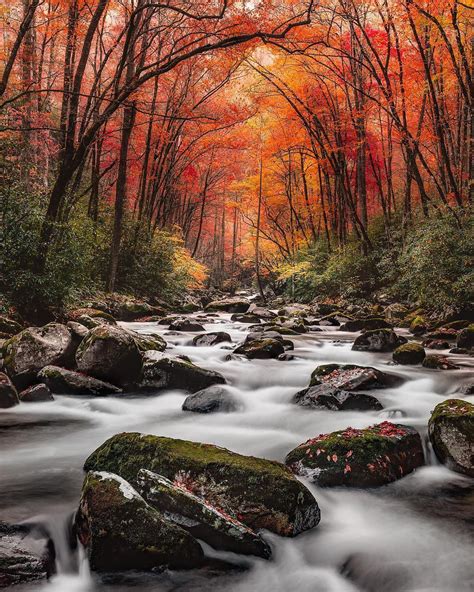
x=414, y=535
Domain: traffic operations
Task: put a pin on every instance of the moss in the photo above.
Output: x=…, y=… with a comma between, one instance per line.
x=409, y=353
x=452, y=408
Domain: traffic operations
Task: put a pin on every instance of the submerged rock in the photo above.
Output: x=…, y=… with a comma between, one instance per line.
x=378, y=340
x=228, y=305
x=262, y=349
x=350, y=377
x=330, y=397
x=438, y=362
x=185, y=325
x=210, y=400
x=120, y=531
x=369, y=457
x=451, y=431
x=259, y=492
x=409, y=354
x=39, y=393
x=8, y=393
x=208, y=339
x=68, y=382
x=201, y=519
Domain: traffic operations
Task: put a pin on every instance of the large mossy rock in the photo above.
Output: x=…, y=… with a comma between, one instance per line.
x=378, y=340
x=8, y=393
x=148, y=341
x=210, y=400
x=370, y=324
x=202, y=520
x=261, y=349
x=133, y=310
x=163, y=372
x=246, y=318
x=326, y=396
x=259, y=492
x=110, y=353
x=120, y=531
x=409, y=354
x=228, y=305
x=451, y=431
x=67, y=382
x=369, y=457
x=208, y=339
x=185, y=325
x=465, y=339
x=418, y=326
x=93, y=313
x=351, y=377
x=36, y=347
x=438, y=362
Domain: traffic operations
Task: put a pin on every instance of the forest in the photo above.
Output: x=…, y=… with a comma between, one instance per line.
x=228, y=221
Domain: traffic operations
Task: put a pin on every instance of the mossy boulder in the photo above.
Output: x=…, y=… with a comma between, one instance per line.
x=369, y=457
x=130, y=310
x=228, y=305
x=378, y=340
x=38, y=393
x=435, y=344
x=67, y=382
x=210, y=400
x=418, y=326
x=438, y=362
x=351, y=377
x=93, y=313
x=261, y=349
x=451, y=432
x=200, y=518
x=409, y=354
x=446, y=334
x=8, y=393
x=208, y=339
x=110, y=353
x=120, y=531
x=163, y=372
x=246, y=318
x=36, y=347
x=9, y=326
x=326, y=396
x=465, y=339
x=369, y=324
x=185, y=325
x=148, y=341
x=259, y=492
x=261, y=312
x=92, y=322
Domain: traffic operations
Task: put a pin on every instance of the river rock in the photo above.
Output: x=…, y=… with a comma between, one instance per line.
x=78, y=330
x=92, y=322
x=8, y=393
x=148, y=341
x=261, y=349
x=350, y=377
x=200, y=518
x=185, y=325
x=92, y=313
x=378, y=340
x=38, y=393
x=9, y=326
x=36, y=347
x=465, y=339
x=208, y=339
x=228, y=305
x=133, y=310
x=259, y=492
x=120, y=531
x=409, y=354
x=330, y=397
x=262, y=313
x=295, y=310
x=68, y=382
x=163, y=372
x=210, y=400
x=246, y=318
x=418, y=326
x=435, y=344
x=365, y=325
x=369, y=457
x=446, y=334
x=438, y=362
x=110, y=353
x=451, y=431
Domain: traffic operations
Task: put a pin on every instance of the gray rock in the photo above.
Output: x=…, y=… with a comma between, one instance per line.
x=330, y=397
x=208, y=339
x=228, y=305
x=185, y=325
x=210, y=400
x=68, y=382
x=378, y=340
x=38, y=393
x=8, y=393
x=261, y=349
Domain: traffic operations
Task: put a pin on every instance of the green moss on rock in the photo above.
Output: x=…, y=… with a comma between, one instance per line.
x=409, y=353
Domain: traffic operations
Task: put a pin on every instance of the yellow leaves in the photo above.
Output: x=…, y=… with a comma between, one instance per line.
x=288, y=270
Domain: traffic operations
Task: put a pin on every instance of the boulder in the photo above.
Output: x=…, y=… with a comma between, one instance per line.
x=418, y=326
x=148, y=341
x=67, y=382
x=91, y=323
x=36, y=347
x=435, y=344
x=437, y=362
x=110, y=353
x=409, y=353
x=262, y=313
x=295, y=310
x=120, y=531
x=259, y=492
x=208, y=339
x=350, y=377
x=163, y=372
x=330, y=397
x=395, y=312
x=228, y=305
x=38, y=393
x=451, y=432
x=365, y=325
x=261, y=349
x=199, y=517
x=378, y=340
x=185, y=325
x=78, y=330
x=369, y=457
x=8, y=393
x=246, y=318
x=210, y=400
x=9, y=326
x=446, y=334
x=92, y=313
x=465, y=339
x=133, y=310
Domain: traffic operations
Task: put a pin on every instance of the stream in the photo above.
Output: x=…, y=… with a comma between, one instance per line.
x=415, y=535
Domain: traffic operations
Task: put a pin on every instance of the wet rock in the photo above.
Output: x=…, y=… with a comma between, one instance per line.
x=246, y=318
x=185, y=325
x=330, y=397
x=36, y=347
x=451, y=432
x=465, y=338
x=295, y=310
x=378, y=340
x=259, y=492
x=9, y=326
x=110, y=353
x=260, y=312
x=442, y=333
x=350, y=377
x=163, y=372
x=91, y=322
x=202, y=520
x=261, y=349
x=409, y=354
x=148, y=341
x=293, y=328
x=258, y=335
x=39, y=393
x=168, y=320
x=435, y=344
x=365, y=325
x=208, y=339
x=8, y=393
x=67, y=382
x=133, y=310
x=78, y=330
x=92, y=313
x=23, y=558
x=369, y=457
x=395, y=312
x=286, y=357
x=459, y=350
x=210, y=400
x=466, y=389
x=437, y=362
x=418, y=326
x=228, y=305
x=120, y=531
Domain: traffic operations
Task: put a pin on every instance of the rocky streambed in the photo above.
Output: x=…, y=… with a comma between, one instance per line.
x=237, y=449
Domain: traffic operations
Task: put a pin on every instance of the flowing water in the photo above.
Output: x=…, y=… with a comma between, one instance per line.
x=414, y=535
